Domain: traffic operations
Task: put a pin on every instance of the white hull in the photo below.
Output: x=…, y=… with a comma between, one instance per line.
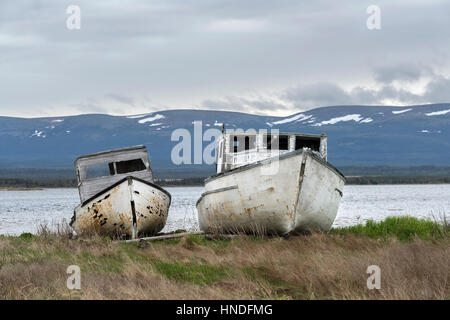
x=132, y=207
x=303, y=194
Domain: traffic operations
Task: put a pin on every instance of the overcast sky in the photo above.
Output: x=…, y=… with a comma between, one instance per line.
x=264, y=57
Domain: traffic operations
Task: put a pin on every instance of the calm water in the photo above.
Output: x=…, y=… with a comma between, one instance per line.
x=24, y=211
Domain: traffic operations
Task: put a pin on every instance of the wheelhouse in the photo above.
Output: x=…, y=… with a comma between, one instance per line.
x=236, y=149
x=99, y=170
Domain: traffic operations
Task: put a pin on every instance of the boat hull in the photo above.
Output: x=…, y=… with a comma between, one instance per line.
x=293, y=193
x=131, y=207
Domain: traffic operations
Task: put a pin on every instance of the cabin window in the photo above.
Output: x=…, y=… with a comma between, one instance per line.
x=250, y=142
x=271, y=142
x=267, y=142
x=305, y=142
x=283, y=143
x=243, y=143
x=99, y=170
x=112, y=171
x=130, y=166
x=235, y=144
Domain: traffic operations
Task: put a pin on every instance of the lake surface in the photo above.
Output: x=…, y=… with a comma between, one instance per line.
x=24, y=211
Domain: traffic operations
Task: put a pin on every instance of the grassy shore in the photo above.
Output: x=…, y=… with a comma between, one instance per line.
x=414, y=257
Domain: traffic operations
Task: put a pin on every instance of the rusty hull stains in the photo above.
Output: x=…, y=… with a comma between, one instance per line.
x=300, y=195
x=112, y=214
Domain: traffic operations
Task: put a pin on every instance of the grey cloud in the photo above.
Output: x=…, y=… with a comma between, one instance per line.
x=121, y=98
x=326, y=94
x=438, y=90
x=193, y=52
x=261, y=105
x=402, y=72
x=303, y=97
x=322, y=94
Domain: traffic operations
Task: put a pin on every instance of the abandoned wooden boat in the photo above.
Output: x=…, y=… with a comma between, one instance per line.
x=271, y=184
x=118, y=196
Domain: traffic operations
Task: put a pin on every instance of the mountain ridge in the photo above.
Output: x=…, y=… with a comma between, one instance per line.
x=357, y=135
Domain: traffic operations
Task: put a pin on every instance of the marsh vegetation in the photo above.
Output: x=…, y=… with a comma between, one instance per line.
x=413, y=255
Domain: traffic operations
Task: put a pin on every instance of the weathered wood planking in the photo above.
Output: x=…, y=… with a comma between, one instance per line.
x=90, y=187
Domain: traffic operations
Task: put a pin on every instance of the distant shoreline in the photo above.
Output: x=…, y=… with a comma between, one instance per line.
x=39, y=184
x=20, y=189
x=38, y=178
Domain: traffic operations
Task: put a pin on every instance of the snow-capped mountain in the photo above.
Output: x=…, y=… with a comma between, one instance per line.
x=357, y=135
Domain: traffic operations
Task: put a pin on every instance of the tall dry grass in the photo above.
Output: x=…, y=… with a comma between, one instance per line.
x=316, y=266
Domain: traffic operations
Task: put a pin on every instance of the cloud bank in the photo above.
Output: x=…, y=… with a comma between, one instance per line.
x=266, y=57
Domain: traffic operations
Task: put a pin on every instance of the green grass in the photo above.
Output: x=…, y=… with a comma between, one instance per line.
x=313, y=266
x=403, y=228
x=192, y=272
x=200, y=240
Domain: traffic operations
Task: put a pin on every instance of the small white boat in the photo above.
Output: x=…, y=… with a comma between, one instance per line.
x=271, y=184
x=118, y=196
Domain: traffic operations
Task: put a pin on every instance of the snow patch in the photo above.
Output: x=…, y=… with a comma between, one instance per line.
x=296, y=118
x=155, y=124
x=429, y=131
x=38, y=134
x=58, y=120
x=349, y=117
x=150, y=119
x=401, y=111
x=437, y=113
x=366, y=120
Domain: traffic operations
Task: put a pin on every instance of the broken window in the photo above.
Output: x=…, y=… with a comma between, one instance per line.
x=111, y=168
x=243, y=143
x=276, y=142
x=283, y=143
x=98, y=170
x=305, y=142
x=130, y=166
x=267, y=142
x=250, y=142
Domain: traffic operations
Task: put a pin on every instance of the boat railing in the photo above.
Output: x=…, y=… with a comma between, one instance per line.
x=234, y=160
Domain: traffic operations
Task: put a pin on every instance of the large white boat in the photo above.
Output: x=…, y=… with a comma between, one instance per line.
x=271, y=184
x=118, y=196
